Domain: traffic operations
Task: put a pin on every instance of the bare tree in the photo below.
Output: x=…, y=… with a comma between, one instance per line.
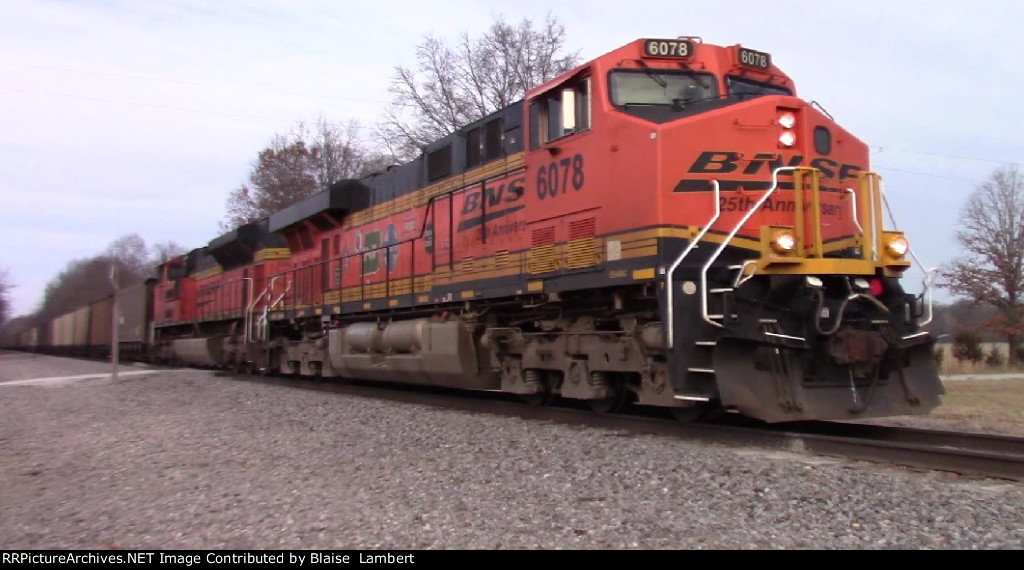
x=131, y=253
x=6, y=307
x=242, y=208
x=453, y=85
x=163, y=251
x=299, y=165
x=285, y=173
x=86, y=280
x=992, y=236
x=81, y=282
x=339, y=152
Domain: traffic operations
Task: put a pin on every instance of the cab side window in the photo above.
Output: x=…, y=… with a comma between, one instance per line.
x=561, y=112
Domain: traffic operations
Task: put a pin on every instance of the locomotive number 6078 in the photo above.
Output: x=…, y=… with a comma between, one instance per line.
x=556, y=177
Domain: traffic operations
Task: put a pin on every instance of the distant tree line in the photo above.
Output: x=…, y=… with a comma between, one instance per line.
x=86, y=280
x=83, y=281
x=959, y=315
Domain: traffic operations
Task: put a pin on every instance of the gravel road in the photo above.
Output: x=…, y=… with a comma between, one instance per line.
x=187, y=459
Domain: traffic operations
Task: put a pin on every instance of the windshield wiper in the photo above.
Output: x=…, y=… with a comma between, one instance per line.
x=678, y=103
x=661, y=81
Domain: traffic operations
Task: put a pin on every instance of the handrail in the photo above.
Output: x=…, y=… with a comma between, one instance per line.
x=926, y=283
x=245, y=317
x=261, y=324
x=728, y=238
x=876, y=217
x=670, y=320
x=283, y=293
x=287, y=288
x=929, y=274
x=742, y=276
x=262, y=321
x=865, y=184
x=249, y=310
x=853, y=205
x=800, y=228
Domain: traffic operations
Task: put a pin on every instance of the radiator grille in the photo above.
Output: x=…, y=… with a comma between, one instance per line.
x=542, y=254
x=583, y=251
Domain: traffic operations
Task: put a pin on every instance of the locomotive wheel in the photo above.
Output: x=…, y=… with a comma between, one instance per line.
x=318, y=373
x=544, y=397
x=541, y=399
x=610, y=405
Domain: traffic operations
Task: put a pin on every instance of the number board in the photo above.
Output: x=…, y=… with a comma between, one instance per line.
x=755, y=59
x=668, y=48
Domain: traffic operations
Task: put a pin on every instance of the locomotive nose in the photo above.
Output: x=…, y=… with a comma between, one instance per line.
x=778, y=384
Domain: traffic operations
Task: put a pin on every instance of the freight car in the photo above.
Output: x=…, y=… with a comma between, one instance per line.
x=667, y=224
x=20, y=333
x=86, y=331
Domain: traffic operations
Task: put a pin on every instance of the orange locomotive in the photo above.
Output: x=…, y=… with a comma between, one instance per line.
x=667, y=224
x=205, y=303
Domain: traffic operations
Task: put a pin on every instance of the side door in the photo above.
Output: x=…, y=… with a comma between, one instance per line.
x=563, y=195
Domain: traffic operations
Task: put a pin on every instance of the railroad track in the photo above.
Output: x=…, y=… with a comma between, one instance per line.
x=968, y=454
x=973, y=454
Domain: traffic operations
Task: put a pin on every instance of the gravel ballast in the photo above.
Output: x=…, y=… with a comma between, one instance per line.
x=186, y=459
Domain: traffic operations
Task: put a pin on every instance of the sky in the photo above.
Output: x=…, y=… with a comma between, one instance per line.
x=122, y=117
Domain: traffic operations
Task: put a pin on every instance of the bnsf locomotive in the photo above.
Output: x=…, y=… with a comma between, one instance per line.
x=668, y=224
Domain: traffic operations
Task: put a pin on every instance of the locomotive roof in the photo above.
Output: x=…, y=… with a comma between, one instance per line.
x=239, y=246
x=329, y=206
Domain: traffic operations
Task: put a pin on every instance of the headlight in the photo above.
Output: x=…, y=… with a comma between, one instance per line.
x=784, y=242
x=787, y=138
x=787, y=119
x=781, y=244
x=897, y=246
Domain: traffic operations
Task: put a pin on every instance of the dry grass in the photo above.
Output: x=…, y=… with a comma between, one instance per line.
x=989, y=406
x=951, y=365
x=999, y=403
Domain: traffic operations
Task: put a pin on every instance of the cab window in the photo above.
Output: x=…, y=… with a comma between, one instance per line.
x=744, y=89
x=668, y=88
x=560, y=112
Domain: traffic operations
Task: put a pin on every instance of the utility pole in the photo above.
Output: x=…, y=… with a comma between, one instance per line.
x=114, y=321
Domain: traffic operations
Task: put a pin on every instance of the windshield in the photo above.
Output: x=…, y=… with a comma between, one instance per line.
x=660, y=87
x=747, y=89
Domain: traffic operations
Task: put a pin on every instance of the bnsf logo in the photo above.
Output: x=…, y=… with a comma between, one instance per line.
x=719, y=162
x=495, y=195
